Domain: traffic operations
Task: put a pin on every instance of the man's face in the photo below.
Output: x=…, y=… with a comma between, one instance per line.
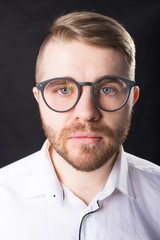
x=86, y=137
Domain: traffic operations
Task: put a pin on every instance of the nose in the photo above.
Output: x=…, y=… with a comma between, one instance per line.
x=85, y=109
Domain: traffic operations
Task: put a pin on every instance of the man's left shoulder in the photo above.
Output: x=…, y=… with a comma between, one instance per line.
x=141, y=164
x=144, y=172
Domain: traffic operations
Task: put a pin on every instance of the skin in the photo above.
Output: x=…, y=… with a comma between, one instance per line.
x=82, y=63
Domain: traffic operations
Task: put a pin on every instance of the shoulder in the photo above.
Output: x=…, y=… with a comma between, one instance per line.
x=23, y=165
x=144, y=175
x=140, y=164
x=15, y=178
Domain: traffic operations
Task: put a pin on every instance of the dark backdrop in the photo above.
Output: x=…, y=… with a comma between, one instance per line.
x=23, y=26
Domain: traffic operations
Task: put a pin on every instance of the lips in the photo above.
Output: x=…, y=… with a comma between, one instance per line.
x=85, y=138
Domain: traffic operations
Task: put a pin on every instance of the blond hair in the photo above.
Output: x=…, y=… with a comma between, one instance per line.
x=93, y=29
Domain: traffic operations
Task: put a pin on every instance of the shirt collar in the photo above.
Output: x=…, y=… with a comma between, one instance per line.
x=119, y=178
x=123, y=180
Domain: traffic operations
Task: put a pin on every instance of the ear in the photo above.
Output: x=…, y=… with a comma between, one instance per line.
x=136, y=94
x=36, y=93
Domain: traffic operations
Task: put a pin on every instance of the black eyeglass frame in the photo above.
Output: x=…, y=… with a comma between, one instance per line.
x=129, y=84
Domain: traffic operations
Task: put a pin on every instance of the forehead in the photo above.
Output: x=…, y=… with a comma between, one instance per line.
x=80, y=61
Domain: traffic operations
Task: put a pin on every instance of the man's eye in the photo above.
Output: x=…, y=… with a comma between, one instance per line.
x=63, y=91
x=106, y=91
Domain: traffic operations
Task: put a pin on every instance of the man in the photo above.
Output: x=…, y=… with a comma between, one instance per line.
x=81, y=184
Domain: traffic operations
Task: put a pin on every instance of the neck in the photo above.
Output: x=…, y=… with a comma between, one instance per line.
x=85, y=185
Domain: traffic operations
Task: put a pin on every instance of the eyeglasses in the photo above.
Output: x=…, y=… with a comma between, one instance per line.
x=109, y=93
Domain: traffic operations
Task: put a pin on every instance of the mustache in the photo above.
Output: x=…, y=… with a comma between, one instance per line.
x=96, y=128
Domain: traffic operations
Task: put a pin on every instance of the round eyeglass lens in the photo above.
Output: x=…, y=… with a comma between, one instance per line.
x=110, y=94
x=61, y=94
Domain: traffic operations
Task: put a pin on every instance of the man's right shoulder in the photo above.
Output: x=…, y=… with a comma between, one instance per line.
x=20, y=166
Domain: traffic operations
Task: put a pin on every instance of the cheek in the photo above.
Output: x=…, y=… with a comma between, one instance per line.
x=54, y=120
x=116, y=119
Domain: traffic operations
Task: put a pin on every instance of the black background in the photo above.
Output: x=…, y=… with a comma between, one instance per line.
x=24, y=25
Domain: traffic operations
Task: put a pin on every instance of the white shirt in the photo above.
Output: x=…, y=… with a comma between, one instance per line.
x=34, y=205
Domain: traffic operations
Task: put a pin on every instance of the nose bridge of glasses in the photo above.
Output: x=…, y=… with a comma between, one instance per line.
x=85, y=84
